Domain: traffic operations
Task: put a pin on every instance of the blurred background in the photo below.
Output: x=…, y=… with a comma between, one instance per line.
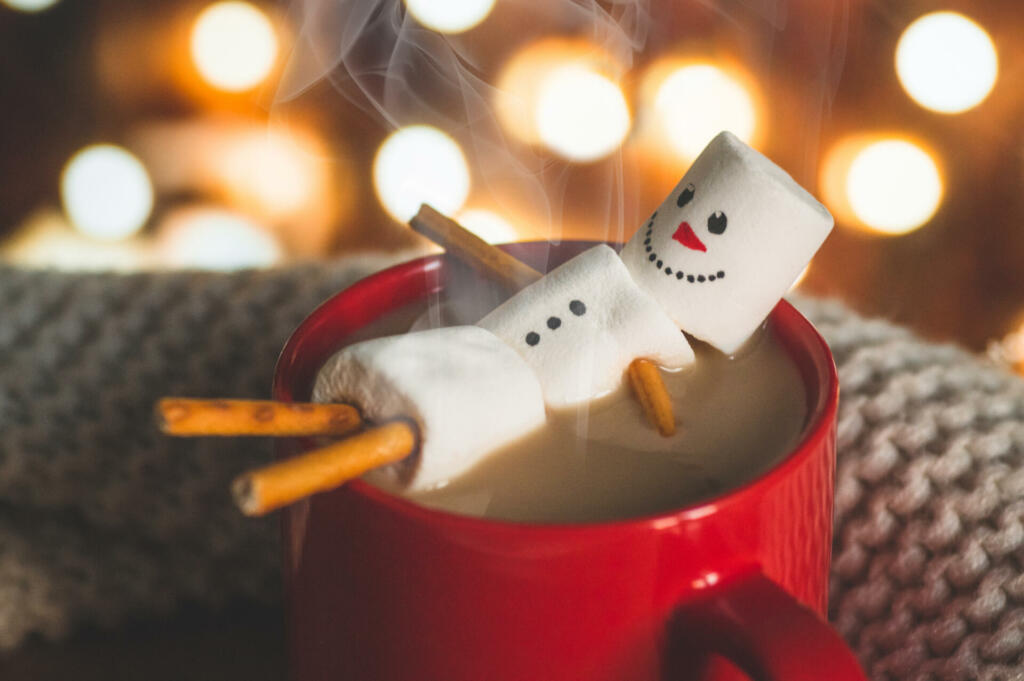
x=181, y=134
x=225, y=135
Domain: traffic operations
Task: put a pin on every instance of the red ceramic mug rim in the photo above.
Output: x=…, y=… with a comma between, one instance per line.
x=818, y=427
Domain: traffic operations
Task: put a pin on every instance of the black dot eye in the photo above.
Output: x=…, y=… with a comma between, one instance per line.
x=532, y=338
x=685, y=196
x=717, y=222
x=577, y=307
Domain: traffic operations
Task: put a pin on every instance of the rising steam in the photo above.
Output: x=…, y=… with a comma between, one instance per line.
x=383, y=61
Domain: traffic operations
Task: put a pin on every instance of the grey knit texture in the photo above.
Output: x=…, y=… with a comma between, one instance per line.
x=102, y=518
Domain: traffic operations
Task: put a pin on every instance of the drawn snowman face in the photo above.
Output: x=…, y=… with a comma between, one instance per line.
x=726, y=243
x=685, y=234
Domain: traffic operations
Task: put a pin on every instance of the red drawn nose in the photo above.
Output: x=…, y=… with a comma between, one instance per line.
x=686, y=237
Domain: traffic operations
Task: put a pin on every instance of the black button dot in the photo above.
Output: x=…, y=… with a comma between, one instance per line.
x=721, y=274
x=577, y=307
x=700, y=277
x=649, y=248
x=659, y=264
x=653, y=257
x=647, y=241
x=554, y=323
x=689, y=278
x=711, y=277
x=532, y=338
x=679, y=275
x=668, y=270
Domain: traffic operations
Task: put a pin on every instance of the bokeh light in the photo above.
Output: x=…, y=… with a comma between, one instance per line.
x=526, y=76
x=581, y=115
x=106, y=192
x=886, y=184
x=234, y=46
x=894, y=186
x=694, y=102
x=46, y=240
x=29, y=5
x=272, y=172
x=215, y=239
x=946, y=62
x=420, y=164
x=450, y=16
x=488, y=225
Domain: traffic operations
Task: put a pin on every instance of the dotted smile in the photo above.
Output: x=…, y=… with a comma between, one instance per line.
x=680, y=275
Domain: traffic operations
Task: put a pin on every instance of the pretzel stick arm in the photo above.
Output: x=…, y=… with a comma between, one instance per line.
x=190, y=417
x=265, y=489
x=650, y=391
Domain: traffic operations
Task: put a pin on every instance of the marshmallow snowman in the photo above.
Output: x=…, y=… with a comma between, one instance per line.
x=468, y=392
x=581, y=325
x=727, y=243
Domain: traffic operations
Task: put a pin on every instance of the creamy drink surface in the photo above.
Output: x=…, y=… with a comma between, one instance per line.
x=736, y=417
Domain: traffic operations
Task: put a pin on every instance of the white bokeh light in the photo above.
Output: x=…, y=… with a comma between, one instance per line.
x=488, y=225
x=581, y=115
x=696, y=102
x=29, y=5
x=946, y=62
x=420, y=164
x=234, y=46
x=277, y=173
x=893, y=186
x=106, y=192
x=46, y=239
x=450, y=16
x=215, y=239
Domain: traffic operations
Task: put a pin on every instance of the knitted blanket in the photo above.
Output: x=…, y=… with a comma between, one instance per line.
x=102, y=518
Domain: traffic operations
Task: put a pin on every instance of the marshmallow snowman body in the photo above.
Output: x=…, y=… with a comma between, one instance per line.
x=467, y=391
x=581, y=325
x=727, y=243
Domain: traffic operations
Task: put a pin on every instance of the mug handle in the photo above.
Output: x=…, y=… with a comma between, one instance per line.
x=764, y=631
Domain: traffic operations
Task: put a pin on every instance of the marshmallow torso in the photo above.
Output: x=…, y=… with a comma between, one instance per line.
x=582, y=324
x=467, y=391
x=727, y=243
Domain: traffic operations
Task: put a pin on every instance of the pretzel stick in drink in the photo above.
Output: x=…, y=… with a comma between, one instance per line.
x=493, y=262
x=192, y=417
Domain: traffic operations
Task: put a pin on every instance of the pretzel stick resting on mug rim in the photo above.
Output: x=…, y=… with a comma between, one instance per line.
x=644, y=377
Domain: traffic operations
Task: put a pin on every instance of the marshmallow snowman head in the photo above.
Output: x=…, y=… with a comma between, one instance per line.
x=581, y=325
x=727, y=243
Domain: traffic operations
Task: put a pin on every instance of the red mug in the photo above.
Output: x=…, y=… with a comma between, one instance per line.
x=380, y=589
